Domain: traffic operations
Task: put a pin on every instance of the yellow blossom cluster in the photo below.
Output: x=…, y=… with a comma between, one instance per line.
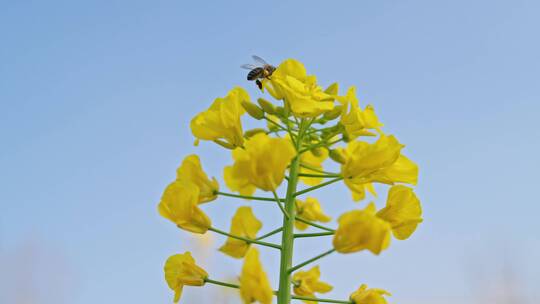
x=308, y=127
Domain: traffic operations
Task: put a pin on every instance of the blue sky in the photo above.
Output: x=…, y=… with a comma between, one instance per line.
x=96, y=99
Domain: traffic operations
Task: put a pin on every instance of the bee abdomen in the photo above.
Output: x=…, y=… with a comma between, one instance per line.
x=254, y=74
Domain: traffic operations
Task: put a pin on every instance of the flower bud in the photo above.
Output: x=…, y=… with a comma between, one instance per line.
x=331, y=115
x=337, y=156
x=317, y=151
x=253, y=110
x=224, y=144
x=280, y=111
x=250, y=133
x=267, y=106
x=332, y=89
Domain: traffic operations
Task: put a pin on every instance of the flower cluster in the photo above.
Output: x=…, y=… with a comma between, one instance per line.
x=309, y=127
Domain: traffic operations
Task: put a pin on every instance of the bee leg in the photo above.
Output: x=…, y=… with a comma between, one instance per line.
x=259, y=84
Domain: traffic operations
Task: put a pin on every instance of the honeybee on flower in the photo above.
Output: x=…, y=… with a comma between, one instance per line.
x=263, y=70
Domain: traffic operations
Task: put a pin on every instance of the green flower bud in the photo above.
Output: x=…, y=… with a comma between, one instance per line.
x=337, y=156
x=333, y=114
x=280, y=111
x=317, y=151
x=267, y=106
x=253, y=110
x=332, y=89
x=224, y=144
x=250, y=133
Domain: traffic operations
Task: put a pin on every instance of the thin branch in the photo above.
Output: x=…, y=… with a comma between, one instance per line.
x=313, y=259
x=315, y=300
x=274, y=123
x=303, y=220
x=317, y=169
x=279, y=204
x=278, y=230
x=255, y=198
x=318, y=186
x=230, y=285
x=303, y=235
x=244, y=239
x=318, y=175
x=321, y=144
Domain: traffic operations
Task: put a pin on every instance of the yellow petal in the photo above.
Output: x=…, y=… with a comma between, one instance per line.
x=180, y=270
x=360, y=230
x=403, y=211
x=311, y=210
x=363, y=295
x=262, y=164
x=191, y=170
x=254, y=284
x=222, y=119
x=307, y=283
x=179, y=204
x=244, y=224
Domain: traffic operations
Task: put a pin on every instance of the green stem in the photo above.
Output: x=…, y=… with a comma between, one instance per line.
x=255, y=198
x=278, y=230
x=318, y=186
x=322, y=144
x=244, y=239
x=313, y=259
x=317, y=169
x=279, y=204
x=303, y=220
x=275, y=123
x=287, y=237
x=320, y=300
x=318, y=175
x=303, y=235
x=230, y=285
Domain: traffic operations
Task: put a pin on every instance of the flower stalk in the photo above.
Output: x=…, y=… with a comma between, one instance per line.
x=287, y=240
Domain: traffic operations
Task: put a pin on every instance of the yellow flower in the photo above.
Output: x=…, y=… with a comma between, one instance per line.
x=244, y=224
x=222, y=120
x=260, y=164
x=191, y=170
x=315, y=161
x=402, y=211
x=179, y=204
x=310, y=210
x=377, y=162
x=306, y=283
x=254, y=284
x=291, y=83
x=180, y=270
x=363, y=295
x=358, y=190
x=357, y=122
x=362, y=229
x=403, y=170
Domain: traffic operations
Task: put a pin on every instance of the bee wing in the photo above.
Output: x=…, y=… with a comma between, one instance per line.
x=259, y=59
x=248, y=66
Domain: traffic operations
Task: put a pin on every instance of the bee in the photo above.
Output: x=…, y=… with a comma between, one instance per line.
x=263, y=70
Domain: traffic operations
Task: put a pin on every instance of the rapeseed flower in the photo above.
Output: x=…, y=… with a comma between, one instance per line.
x=254, y=284
x=243, y=224
x=180, y=270
x=360, y=230
x=261, y=164
x=222, y=120
x=179, y=204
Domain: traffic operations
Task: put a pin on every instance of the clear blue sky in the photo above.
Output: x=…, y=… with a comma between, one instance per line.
x=96, y=99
